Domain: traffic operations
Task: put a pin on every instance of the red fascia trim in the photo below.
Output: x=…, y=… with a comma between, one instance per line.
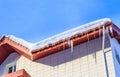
x=116, y=29
x=59, y=47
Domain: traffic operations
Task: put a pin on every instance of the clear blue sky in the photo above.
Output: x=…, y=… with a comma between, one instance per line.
x=35, y=20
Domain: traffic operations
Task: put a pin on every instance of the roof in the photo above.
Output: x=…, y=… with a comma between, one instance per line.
x=61, y=36
x=33, y=51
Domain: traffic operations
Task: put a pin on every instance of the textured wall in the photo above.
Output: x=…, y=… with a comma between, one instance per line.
x=85, y=61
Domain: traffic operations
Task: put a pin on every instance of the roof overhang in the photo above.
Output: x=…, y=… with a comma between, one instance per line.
x=8, y=46
x=76, y=39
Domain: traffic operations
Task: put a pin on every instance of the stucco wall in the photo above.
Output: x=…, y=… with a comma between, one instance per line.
x=10, y=59
x=85, y=61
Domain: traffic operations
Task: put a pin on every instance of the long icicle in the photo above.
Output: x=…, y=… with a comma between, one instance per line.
x=69, y=42
x=71, y=45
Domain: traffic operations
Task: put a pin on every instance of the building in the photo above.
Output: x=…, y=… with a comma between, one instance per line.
x=90, y=50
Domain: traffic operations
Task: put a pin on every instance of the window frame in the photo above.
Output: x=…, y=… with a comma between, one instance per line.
x=13, y=65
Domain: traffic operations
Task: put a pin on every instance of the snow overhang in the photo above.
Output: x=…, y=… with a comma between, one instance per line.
x=55, y=44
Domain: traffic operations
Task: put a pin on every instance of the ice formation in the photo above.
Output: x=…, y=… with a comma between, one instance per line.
x=61, y=36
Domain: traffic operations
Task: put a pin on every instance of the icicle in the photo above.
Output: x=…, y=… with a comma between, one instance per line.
x=107, y=32
x=71, y=45
x=94, y=31
x=63, y=45
x=99, y=31
x=111, y=31
x=87, y=37
x=53, y=44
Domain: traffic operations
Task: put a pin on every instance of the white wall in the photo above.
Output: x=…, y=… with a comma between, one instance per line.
x=11, y=58
x=85, y=61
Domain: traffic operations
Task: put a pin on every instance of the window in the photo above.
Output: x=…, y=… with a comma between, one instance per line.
x=12, y=69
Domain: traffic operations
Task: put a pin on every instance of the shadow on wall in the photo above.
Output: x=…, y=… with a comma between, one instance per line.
x=79, y=51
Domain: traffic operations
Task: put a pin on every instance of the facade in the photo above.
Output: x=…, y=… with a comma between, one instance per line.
x=91, y=50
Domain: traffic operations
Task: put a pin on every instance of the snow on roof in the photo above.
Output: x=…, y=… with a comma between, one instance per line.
x=61, y=36
x=20, y=41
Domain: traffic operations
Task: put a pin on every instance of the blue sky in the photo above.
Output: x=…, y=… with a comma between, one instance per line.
x=35, y=20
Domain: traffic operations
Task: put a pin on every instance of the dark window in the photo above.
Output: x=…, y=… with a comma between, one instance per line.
x=12, y=69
